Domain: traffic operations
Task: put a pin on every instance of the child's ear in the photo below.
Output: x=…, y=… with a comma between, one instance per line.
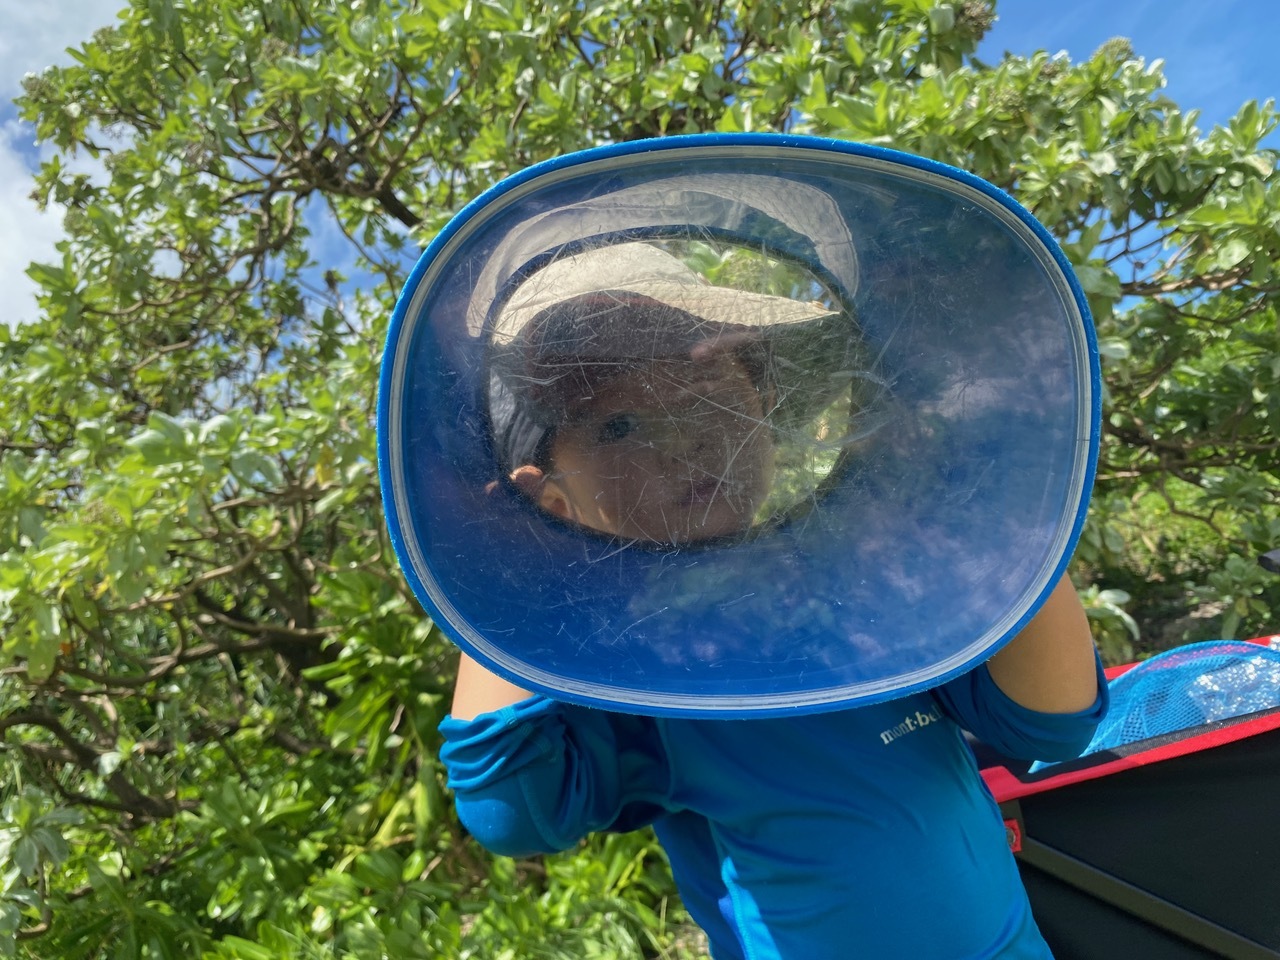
x=533, y=483
x=529, y=480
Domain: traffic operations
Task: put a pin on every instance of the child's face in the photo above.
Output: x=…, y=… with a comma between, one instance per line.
x=673, y=451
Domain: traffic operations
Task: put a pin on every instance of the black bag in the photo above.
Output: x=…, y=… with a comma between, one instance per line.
x=1167, y=848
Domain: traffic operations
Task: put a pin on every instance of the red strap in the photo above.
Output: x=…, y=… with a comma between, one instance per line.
x=1004, y=786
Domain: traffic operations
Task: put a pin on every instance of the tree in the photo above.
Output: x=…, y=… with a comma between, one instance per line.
x=218, y=697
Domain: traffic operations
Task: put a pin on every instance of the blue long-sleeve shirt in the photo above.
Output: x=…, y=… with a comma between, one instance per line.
x=857, y=833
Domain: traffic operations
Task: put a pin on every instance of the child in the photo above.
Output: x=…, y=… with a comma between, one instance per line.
x=865, y=832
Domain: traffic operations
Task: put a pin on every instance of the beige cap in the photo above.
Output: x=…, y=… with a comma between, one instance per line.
x=632, y=273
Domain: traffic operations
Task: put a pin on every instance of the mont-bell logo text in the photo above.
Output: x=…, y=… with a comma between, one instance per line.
x=911, y=723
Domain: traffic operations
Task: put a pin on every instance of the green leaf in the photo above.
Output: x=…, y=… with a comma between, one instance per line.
x=42, y=660
x=1099, y=280
x=942, y=18
x=26, y=856
x=256, y=469
x=1232, y=251
x=52, y=843
x=219, y=431
x=156, y=447
x=1113, y=348
x=853, y=47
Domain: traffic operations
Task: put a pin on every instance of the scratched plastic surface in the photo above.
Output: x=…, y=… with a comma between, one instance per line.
x=737, y=426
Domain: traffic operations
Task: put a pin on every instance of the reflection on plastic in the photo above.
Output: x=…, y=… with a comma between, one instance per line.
x=637, y=397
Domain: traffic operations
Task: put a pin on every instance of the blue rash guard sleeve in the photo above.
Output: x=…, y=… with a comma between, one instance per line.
x=976, y=702
x=537, y=776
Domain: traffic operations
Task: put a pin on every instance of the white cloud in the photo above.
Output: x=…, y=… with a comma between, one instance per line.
x=26, y=234
x=35, y=36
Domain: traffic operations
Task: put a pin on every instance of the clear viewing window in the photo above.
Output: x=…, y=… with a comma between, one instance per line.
x=676, y=390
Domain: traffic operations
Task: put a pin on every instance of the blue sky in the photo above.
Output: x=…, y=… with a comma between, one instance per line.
x=1217, y=55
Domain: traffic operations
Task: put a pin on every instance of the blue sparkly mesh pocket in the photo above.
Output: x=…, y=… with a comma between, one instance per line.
x=1188, y=687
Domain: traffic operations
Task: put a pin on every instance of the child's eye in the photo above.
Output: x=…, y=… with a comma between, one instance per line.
x=618, y=427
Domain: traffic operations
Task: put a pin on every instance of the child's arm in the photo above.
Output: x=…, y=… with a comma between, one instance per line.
x=1050, y=665
x=532, y=775
x=1043, y=695
x=480, y=691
